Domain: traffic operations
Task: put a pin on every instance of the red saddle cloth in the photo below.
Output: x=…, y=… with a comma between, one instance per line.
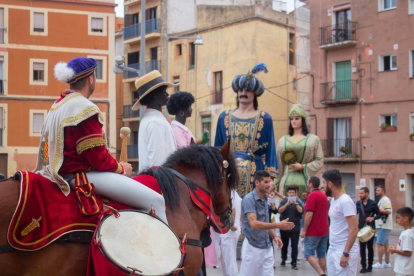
x=44, y=213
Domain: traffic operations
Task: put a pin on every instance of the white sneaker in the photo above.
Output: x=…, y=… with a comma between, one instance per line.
x=378, y=265
x=289, y=261
x=387, y=265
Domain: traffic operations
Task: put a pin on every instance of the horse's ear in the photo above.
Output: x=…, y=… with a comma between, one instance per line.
x=225, y=149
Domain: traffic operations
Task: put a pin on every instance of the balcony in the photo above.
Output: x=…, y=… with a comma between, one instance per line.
x=132, y=151
x=129, y=113
x=133, y=33
x=149, y=66
x=338, y=36
x=339, y=92
x=340, y=150
x=2, y=31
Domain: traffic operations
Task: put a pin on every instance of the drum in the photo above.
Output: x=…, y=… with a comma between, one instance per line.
x=365, y=233
x=139, y=243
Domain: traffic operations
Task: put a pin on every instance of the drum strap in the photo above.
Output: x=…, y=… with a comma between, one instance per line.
x=192, y=242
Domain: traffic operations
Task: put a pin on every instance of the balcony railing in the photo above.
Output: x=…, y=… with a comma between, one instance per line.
x=339, y=35
x=151, y=26
x=149, y=66
x=132, y=151
x=347, y=148
x=129, y=113
x=2, y=31
x=339, y=92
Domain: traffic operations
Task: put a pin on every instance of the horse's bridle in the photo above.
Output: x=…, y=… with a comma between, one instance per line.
x=219, y=221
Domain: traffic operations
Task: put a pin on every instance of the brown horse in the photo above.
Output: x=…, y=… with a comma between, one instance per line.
x=202, y=165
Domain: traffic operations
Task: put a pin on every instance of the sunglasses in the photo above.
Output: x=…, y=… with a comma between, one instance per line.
x=297, y=118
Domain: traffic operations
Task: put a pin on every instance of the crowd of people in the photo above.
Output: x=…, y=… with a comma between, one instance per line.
x=320, y=218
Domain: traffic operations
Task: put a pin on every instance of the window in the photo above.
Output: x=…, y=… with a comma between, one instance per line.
x=131, y=19
x=135, y=96
x=99, y=69
x=192, y=55
x=1, y=126
x=412, y=123
x=2, y=29
x=388, y=122
x=1, y=75
x=339, y=136
x=386, y=4
x=179, y=49
x=97, y=25
x=37, y=118
x=218, y=88
x=38, y=71
x=410, y=6
x=388, y=62
x=133, y=58
x=176, y=81
x=292, y=49
x=151, y=13
x=39, y=22
x=154, y=53
x=206, y=127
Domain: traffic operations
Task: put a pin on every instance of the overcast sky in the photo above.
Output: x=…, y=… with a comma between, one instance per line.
x=120, y=9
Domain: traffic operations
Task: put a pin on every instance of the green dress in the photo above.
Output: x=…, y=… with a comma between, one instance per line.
x=308, y=152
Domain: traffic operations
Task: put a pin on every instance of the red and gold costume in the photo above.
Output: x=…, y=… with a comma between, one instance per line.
x=73, y=141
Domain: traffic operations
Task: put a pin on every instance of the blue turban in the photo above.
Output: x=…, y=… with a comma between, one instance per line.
x=249, y=81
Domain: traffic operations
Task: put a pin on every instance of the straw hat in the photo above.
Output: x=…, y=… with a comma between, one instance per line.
x=148, y=83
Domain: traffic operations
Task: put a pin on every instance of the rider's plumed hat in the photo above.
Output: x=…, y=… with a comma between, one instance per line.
x=249, y=81
x=76, y=69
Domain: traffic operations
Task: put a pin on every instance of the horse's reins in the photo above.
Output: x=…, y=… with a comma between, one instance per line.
x=223, y=216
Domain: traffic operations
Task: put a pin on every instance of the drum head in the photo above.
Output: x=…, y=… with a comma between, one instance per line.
x=138, y=240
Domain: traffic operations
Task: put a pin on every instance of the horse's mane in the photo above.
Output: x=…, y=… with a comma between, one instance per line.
x=207, y=159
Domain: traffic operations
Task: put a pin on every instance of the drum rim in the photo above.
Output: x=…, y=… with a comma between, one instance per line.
x=106, y=255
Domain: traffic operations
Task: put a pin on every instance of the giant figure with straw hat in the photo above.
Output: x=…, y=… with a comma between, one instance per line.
x=250, y=130
x=299, y=153
x=155, y=137
x=73, y=143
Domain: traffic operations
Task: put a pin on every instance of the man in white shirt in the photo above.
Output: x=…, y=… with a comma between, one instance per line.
x=343, y=251
x=155, y=137
x=384, y=227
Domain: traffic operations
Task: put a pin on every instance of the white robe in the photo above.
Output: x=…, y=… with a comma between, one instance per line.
x=155, y=140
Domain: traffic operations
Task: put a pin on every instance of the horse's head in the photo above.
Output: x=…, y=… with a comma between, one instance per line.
x=229, y=180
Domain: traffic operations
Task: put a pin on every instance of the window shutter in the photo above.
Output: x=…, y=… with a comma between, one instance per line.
x=1, y=117
x=97, y=23
x=128, y=19
x=38, y=122
x=38, y=66
x=1, y=18
x=39, y=20
x=1, y=73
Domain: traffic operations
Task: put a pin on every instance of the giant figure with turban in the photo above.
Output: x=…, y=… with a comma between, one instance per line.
x=250, y=130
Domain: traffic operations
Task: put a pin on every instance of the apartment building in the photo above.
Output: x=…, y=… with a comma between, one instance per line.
x=132, y=45
x=363, y=93
x=34, y=36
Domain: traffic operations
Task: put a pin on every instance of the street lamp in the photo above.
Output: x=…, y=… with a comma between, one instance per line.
x=121, y=68
x=197, y=41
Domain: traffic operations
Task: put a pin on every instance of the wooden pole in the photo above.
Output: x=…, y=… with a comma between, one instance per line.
x=125, y=133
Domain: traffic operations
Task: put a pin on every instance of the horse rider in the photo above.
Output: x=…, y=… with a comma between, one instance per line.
x=73, y=141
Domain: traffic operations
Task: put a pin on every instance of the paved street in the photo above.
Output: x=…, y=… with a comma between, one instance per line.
x=306, y=269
